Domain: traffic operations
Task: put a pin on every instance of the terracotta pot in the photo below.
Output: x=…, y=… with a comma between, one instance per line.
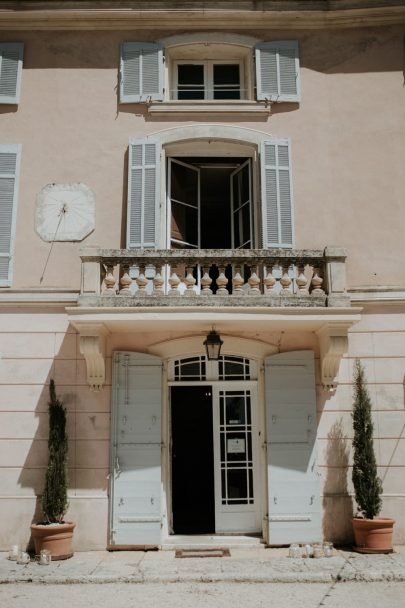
x=57, y=538
x=373, y=535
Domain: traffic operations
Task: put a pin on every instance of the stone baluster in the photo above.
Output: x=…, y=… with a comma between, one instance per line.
x=269, y=282
x=254, y=282
x=174, y=283
x=285, y=282
x=302, y=282
x=206, y=282
x=317, y=283
x=237, y=282
x=190, y=281
x=222, y=282
x=158, y=282
x=125, y=281
x=109, y=281
x=142, y=282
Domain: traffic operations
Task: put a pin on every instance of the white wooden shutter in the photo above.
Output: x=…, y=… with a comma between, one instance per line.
x=136, y=450
x=11, y=60
x=9, y=173
x=278, y=71
x=143, y=194
x=141, y=72
x=276, y=188
x=294, y=506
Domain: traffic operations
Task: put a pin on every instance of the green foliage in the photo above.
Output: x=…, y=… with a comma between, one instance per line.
x=54, y=498
x=367, y=484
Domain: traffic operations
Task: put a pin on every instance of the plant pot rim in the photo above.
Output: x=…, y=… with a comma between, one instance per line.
x=55, y=525
x=356, y=518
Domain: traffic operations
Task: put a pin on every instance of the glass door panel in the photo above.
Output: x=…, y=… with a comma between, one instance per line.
x=235, y=456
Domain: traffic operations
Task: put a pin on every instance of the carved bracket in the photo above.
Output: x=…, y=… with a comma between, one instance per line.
x=92, y=347
x=333, y=344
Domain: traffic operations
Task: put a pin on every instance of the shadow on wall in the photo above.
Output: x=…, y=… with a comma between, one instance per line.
x=88, y=429
x=330, y=52
x=337, y=503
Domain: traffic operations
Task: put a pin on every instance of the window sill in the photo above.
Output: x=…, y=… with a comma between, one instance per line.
x=209, y=107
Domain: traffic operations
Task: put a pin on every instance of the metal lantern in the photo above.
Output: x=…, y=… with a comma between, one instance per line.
x=213, y=345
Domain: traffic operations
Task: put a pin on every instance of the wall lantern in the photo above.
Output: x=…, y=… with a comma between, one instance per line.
x=213, y=345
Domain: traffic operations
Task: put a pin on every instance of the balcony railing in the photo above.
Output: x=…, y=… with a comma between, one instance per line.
x=212, y=277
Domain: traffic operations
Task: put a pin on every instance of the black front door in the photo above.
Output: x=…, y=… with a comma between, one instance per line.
x=193, y=500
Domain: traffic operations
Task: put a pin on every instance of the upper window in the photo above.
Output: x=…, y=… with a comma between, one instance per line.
x=207, y=80
x=11, y=58
x=209, y=71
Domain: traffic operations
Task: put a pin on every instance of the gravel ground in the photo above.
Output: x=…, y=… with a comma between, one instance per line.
x=205, y=595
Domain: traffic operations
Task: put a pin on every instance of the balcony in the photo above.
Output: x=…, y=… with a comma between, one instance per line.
x=212, y=278
x=174, y=297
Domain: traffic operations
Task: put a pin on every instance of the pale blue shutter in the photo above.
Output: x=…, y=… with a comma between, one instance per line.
x=276, y=187
x=294, y=507
x=143, y=194
x=141, y=72
x=278, y=71
x=136, y=450
x=9, y=173
x=11, y=59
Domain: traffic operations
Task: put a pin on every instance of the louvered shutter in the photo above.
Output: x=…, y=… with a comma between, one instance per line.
x=276, y=187
x=294, y=504
x=11, y=58
x=9, y=172
x=136, y=450
x=278, y=71
x=143, y=194
x=141, y=72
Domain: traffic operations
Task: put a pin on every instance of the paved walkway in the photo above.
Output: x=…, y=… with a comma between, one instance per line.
x=243, y=565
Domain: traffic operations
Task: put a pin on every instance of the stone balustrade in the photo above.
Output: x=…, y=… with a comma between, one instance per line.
x=209, y=277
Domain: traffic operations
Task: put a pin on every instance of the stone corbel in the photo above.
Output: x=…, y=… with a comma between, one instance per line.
x=333, y=344
x=92, y=347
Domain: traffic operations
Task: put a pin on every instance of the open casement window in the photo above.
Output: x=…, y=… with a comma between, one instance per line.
x=9, y=173
x=143, y=194
x=276, y=187
x=141, y=72
x=277, y=71
x=11, y=61
x=210, y=203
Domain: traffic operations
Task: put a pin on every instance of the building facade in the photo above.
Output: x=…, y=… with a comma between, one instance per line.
x=175, y=170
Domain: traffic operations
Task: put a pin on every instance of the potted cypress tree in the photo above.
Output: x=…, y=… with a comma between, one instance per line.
x=53, y=533
x=372, y=534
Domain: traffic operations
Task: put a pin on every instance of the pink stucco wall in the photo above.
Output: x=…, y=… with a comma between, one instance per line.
x=347, y=144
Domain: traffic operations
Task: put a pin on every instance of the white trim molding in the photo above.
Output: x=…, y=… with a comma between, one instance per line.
x=333, y=343
x=92, y=347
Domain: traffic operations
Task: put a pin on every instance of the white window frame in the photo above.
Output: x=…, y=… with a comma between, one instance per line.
x=208, y=65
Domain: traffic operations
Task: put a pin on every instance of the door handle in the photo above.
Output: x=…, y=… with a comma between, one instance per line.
x=117, y=467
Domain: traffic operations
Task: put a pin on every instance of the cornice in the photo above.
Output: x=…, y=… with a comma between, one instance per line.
x=197, y=15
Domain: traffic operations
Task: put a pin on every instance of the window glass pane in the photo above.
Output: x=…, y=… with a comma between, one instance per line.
x=234, y=368
x=192, y=368
x=237, y=485
x=235, y=410
x=184, y=184
x=226, y=81
x=190, y=81
x=184, y=224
